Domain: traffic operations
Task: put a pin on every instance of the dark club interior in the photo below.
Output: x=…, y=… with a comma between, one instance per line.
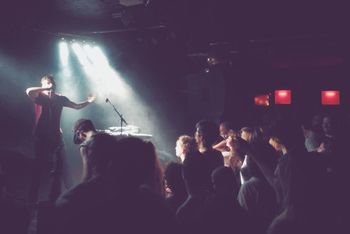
x=188, y=116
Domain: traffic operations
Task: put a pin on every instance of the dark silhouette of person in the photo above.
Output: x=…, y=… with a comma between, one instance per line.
x=175, y=183
x=49, y=147
x=196, y=177
x=257, y=197
x=120, y=197
x=206, y=135
x=222, y=212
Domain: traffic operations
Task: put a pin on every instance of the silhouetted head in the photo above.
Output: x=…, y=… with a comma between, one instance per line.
x=136, y=164
x=207, y=133
x=289, y=134
x=224, y=180
x=100, y=148
x=251, y=134
x=225, y=129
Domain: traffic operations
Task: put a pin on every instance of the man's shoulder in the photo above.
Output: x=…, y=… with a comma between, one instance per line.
x=61, y=98
x=59, y=95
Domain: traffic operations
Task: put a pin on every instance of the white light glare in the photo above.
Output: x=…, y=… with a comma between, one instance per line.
x=78, y=50
x=64, y=53
x=100, y=58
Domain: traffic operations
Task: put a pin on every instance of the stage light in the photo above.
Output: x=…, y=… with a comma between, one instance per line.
x=96, y=65
x=100, y=58
x=330, y=97
x=262, y=100
x=80, y=53
x=64, y=53
x=283, y=97
x=88, y=50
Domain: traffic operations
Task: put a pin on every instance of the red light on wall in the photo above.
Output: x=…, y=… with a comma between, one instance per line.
x=330, y=97
x=262, y=100
x=283, y=97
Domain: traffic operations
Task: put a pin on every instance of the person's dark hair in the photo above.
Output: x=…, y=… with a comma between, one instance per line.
x=227, y=124
x=224, y=180
x=101, y=147
x=255, y=133
x=137, y=164
x=289, y=133
x=209, y=132
x=82, y=125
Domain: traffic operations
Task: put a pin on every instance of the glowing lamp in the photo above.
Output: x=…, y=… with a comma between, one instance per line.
x=262, y=100
x=330, y=97
x=283, y=97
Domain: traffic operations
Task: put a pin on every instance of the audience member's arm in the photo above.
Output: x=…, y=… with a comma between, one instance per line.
x=221, y=146
x=86, y=171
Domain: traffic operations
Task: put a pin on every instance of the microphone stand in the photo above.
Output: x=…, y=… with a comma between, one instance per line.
x=122, y=120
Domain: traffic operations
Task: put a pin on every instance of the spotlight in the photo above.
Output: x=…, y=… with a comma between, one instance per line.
x=78, y=50
x=100, y=58
x=64, y=53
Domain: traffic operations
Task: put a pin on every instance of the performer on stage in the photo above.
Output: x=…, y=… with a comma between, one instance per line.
x=48, y=136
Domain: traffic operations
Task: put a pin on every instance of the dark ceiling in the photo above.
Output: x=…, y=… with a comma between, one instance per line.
x=280, y=34
x=194, y=21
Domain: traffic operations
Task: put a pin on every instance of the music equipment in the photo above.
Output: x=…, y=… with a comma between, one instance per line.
x=129, y=130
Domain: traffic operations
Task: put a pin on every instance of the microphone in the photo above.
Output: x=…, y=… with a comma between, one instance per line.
x=122, y=120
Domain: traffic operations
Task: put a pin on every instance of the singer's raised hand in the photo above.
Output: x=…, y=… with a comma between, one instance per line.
x=91, y=98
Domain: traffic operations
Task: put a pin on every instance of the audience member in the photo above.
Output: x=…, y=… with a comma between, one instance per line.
x=184, y=145
x=83, y=130
x=222, y=213
x=206, y=136
x=177, y=193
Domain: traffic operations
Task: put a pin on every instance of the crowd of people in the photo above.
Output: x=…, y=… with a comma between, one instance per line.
x=281, y=177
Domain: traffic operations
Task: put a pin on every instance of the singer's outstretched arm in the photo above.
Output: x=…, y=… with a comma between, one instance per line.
x=80, y=105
